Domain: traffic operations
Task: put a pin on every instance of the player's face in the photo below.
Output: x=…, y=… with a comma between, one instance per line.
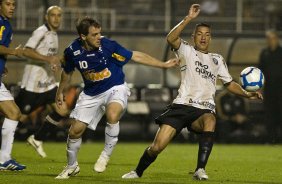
x=54, y=18
x=93, y=39
x=8, y=8
x=202, y=37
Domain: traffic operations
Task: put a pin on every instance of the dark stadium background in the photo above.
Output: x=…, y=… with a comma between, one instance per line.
x=238, y=28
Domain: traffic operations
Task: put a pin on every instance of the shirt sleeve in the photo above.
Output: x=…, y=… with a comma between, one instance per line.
x=184, y=49
x=35, y=38
x=68, y=64
x=223, y=73
x=5, y=33
x=119, y=54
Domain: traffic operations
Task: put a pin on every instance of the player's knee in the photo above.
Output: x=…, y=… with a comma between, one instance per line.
x=113, y=117
x=75, y=133
x=209, y=124
x=14, y=114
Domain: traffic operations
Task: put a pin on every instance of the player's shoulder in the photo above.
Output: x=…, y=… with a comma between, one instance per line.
x=5, y=22
x=107, y=42
x=74, y=49
x=41, y=30
x=217, y=58
x=184, y=45
x=185, y=42
x=216, y=55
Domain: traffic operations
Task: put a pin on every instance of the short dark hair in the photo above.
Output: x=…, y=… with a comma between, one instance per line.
x=83, y=24
x=202, y=24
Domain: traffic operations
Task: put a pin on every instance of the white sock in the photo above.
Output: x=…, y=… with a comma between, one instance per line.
x=111, y=138
x=8, y=132
x=73, y=146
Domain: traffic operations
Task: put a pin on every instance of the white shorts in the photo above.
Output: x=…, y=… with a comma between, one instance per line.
x=90, y=109
x=5, y=94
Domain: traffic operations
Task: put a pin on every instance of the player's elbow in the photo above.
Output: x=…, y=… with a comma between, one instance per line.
x=170, y=40
x=137, y=56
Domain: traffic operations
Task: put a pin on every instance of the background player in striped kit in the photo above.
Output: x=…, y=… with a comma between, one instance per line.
x=100, y=61
x=38, y=86
x=7, y=105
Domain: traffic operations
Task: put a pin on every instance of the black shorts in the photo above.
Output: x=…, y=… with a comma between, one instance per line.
x=29, y=101
x=181, y=116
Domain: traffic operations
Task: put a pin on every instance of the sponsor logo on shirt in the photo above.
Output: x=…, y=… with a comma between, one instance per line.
x=203, y=71
x=97, y=76
x=75, y=53
x=52, y=51
x=44, y=84
x=2, y=28
x=118, y=57
x=215, y=61
x=202, y=103
x=89, y=55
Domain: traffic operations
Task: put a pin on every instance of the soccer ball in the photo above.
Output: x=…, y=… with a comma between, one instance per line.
x=251, y=79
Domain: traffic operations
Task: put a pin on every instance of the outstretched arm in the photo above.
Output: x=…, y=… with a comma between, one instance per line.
x=11, y=51
x=54, y=61
x=65, y=79
x=146, y=59
x=173, y=37
x=235, y=88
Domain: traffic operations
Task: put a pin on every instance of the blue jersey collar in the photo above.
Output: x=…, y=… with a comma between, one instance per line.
x=3, y=18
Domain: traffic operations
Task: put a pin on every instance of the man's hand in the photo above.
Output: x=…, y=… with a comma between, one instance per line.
x=194, y=11
x=60, y=100
x=255, y=95
x=171, y=63
x=55, y=63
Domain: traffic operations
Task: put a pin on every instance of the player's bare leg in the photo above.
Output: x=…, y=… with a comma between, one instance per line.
x=113, y=113
x=164, y=135
x=206, y=125
x=73, y=144
x=12, y=116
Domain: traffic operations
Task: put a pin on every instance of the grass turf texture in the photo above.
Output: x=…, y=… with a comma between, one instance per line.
x=250, y=164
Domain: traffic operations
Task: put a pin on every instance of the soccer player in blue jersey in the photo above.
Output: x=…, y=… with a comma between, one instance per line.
x=7, y=105
x=100, y=61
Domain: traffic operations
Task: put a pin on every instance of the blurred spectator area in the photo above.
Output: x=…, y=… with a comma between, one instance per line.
x=240, y=16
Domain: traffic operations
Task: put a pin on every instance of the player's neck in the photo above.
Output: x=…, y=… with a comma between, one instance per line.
x=87, y=47
x=52, y=28
x=202, y=51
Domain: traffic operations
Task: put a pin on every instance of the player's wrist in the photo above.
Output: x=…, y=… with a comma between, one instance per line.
x=248, y=94
x=188, y=18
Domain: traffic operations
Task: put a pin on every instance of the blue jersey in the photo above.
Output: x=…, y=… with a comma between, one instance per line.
x=101, y=69
x=5, y=39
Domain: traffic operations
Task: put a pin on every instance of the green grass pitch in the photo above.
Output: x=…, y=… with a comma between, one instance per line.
x=236, y=164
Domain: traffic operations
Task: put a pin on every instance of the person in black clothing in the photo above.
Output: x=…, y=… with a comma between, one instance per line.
x=270, y=62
